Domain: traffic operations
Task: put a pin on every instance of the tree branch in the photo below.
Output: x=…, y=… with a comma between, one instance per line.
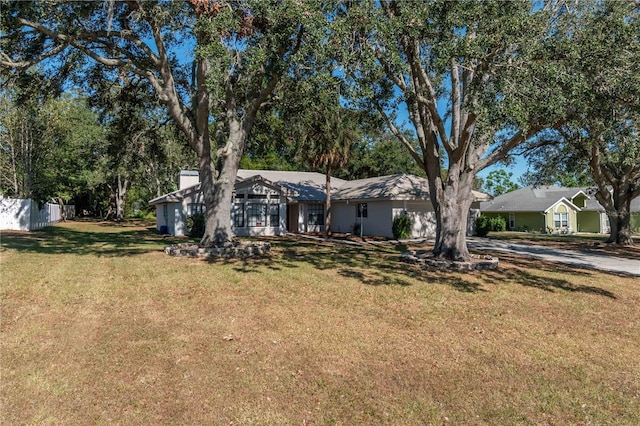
x=398, y=134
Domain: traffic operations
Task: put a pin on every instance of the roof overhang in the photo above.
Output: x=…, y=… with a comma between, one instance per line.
x=565, y=201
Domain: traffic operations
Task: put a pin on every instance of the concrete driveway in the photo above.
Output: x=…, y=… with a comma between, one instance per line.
x=583, y=260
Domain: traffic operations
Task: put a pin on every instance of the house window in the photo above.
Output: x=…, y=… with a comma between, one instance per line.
x=238, y=215
x=195, y=208
x=362, y=210
x=512, y=221
x=561, y=220
x=257, y=196
x=256, y=214
x=274, y=215
x=315, y=214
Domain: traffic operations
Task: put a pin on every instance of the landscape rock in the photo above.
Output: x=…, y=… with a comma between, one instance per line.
x=237, y=249
x=426, y=259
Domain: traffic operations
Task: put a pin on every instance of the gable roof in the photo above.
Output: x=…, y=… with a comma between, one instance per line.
x=310, y=186
x=307, y=186
x=539, y=199
x=176, y=196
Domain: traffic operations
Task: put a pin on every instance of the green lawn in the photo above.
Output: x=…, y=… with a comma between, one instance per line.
x=99, y=326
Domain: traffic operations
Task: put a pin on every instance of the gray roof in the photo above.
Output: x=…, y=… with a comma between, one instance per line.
x=399, y=187
x=540, y=199
x=176, y=196
x=310, y=186
x=307, y=186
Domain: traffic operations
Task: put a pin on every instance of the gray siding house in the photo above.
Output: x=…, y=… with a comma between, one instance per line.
x=268, y=202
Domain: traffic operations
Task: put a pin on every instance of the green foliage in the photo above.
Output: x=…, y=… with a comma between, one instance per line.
x=486, y=224
x=379, y=154
x=196, y=225
x=499, y=182
x=401, y=227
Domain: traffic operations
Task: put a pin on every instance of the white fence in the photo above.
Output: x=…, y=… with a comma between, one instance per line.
x=24, y=215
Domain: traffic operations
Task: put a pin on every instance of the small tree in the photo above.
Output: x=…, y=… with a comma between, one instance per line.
x=401, y=227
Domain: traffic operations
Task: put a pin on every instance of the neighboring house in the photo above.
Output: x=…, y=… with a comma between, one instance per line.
x=268, y=202
x=552, y=209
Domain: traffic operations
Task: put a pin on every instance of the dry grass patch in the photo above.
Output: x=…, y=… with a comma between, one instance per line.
x=99, y=326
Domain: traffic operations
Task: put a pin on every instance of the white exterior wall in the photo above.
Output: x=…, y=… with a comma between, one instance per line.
x=379, y=219
x=421, y=214
x=343, y=216
x=160, y=219
x=179, y=218
x=377, y=223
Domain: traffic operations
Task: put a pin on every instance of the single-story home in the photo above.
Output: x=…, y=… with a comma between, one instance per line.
x=268, y=202
x=553, y=209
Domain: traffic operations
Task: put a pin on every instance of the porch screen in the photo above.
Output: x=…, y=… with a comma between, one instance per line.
x=274, y=215
x=315, y=214
x=256, y=214
x=238, y=215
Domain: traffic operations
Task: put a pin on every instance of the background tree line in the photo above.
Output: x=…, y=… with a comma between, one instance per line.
x=477, y=81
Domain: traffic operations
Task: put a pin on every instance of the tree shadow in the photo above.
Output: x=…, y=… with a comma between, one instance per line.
x=109, y=241
x=380, y=265
x=375, y=265
x=526, y=278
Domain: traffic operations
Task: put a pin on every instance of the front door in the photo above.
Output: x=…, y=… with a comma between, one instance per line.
x=293, y=212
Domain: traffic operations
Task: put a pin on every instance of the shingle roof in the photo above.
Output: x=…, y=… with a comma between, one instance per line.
x=536, y=199
x=310, y=186
x=176, y=196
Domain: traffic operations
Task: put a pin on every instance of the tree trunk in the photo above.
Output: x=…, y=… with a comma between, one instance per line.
x=620, y=225
x=327, y=222
x=451, y=205
x=218, y=191
x=617, y=204
x=120, y=196
x=63, y=213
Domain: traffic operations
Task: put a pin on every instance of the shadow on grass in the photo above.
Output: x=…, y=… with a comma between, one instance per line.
x=371, y=265
x=99, y=239
x=381, y=266
x=528, y=279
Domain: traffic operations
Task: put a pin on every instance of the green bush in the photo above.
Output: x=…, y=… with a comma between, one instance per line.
x=196, y=225
x=498, y=224
x=401, y=227
x=485, y=224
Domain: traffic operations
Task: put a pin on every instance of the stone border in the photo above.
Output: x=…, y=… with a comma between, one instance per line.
x=426, y=260
x=240, y=250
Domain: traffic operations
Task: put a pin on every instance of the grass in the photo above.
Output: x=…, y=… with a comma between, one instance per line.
x=98, y=326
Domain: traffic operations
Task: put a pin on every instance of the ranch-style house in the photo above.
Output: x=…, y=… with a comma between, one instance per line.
x=268, y=202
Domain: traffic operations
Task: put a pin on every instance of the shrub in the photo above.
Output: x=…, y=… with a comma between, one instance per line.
x=196, y=224
x=485, y=224
x=498, y=224
x=401, y=227
x=356, y=228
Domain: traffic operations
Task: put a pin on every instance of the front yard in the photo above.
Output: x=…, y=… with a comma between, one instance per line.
x=99, y=326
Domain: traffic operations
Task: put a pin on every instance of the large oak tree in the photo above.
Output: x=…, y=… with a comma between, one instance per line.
x=473, y=79
x=602, y=52
x=212, y=63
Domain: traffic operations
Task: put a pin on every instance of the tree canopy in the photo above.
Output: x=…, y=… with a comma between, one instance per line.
x=602, y=137
x=475, y=79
